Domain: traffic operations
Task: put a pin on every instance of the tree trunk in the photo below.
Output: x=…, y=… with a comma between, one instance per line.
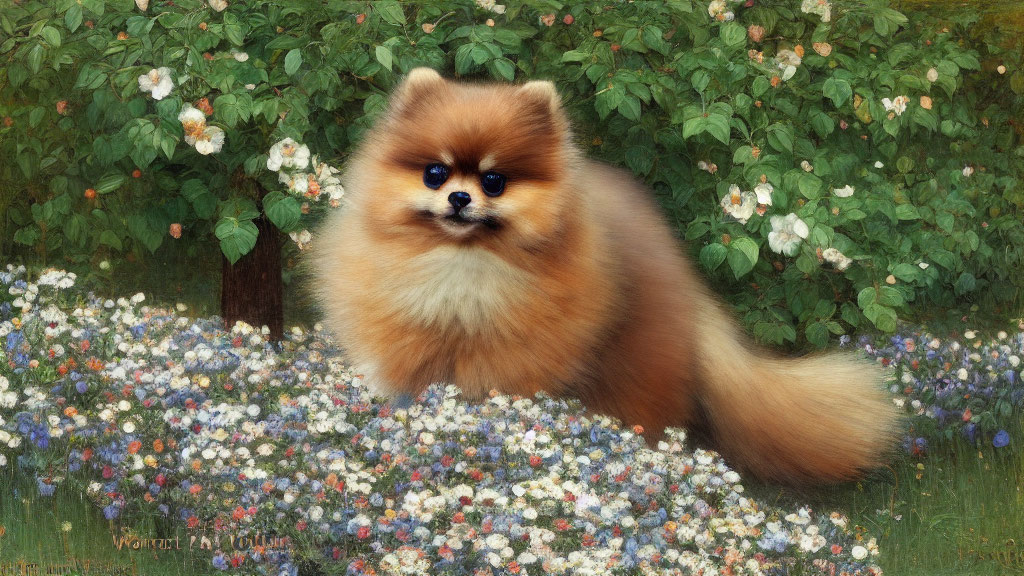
x=251, y=290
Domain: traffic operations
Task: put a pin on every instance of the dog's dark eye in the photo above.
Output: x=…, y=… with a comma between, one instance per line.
x=435, y=175
x=492, y=183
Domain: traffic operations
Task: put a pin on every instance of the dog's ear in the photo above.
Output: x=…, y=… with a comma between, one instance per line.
x=418, y=84
x=541, y=97
x=542, y=93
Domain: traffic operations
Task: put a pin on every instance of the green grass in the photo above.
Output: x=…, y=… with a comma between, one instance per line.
x=957, y=511
x=34, y=533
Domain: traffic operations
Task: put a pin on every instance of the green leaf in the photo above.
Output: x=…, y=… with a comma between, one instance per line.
x=718, y=126
x=143, y=230
x=839, y=91
x=889, y=296
x=233, y=29
x=283, y=211
x=237, y=237
x=851, y=315
x=760, y=86
x=226, y=108
x=810, y=186
x=36, y=116
x=733, y=34
x=817, y=334
x=75, y=229
x=51, y=35
x=630, y=107
x=807, y=264
x=73, y=17
x=965, y=283
x=712, y=256
x=199, y=195
x=907, y=212
x=906, y=272
x=505, y=68
x=576, y=56
x=384, y=56
x=945, y=221
x=743, y=253
x=110, y=182
x=926, y=118
x=27, y=236
x=390, y=12
x=882, y=317
x=943, y=258
x=744, y=155
x=781, y=137
x=111, y=239
x=822, y=123
x=292, y=61
x=694, y=126
x=35, y=59
x=867, y=297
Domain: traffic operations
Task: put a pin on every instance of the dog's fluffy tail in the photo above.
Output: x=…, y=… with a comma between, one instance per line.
x=823, y=418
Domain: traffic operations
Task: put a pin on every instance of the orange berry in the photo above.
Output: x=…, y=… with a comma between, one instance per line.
x=90, y=194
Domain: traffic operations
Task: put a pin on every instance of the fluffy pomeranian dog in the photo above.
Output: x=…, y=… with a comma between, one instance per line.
x=477, y=246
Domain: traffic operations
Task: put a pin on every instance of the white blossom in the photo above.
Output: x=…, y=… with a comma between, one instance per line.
x=739, y=204
x=787, y=233
x=844, y=192
x=157, y=82
x=210, y=141
x=288, y=154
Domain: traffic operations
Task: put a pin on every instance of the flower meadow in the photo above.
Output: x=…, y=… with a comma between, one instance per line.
x=968, y=386
x=152, y=413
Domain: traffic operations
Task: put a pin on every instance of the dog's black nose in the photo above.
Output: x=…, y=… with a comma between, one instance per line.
x=459, y=200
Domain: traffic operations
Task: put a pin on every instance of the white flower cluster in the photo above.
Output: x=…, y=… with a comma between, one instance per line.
x=836, y=258
x=822, y=8
x=741, y=204
x=206, y=139
x=719, y=10
x=292, y=160
x=897, y=106
x=491, y=6
x=787, y=233
x=788, y=60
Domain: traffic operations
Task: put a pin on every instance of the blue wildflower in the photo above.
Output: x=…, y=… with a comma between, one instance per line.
x=1001, y=439
x=45, y=488
x=111, y=511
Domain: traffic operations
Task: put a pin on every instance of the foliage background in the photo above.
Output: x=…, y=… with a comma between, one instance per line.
x=655, y=86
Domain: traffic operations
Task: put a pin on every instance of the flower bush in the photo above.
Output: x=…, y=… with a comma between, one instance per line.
x=153, y=413
x=890, y=139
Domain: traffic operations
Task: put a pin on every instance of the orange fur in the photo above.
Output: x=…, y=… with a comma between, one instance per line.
x=576, y=286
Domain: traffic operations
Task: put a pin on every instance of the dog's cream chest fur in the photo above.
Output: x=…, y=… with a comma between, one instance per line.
x=465, y=285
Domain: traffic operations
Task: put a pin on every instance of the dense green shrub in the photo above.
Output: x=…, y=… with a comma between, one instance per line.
x=796, y=102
